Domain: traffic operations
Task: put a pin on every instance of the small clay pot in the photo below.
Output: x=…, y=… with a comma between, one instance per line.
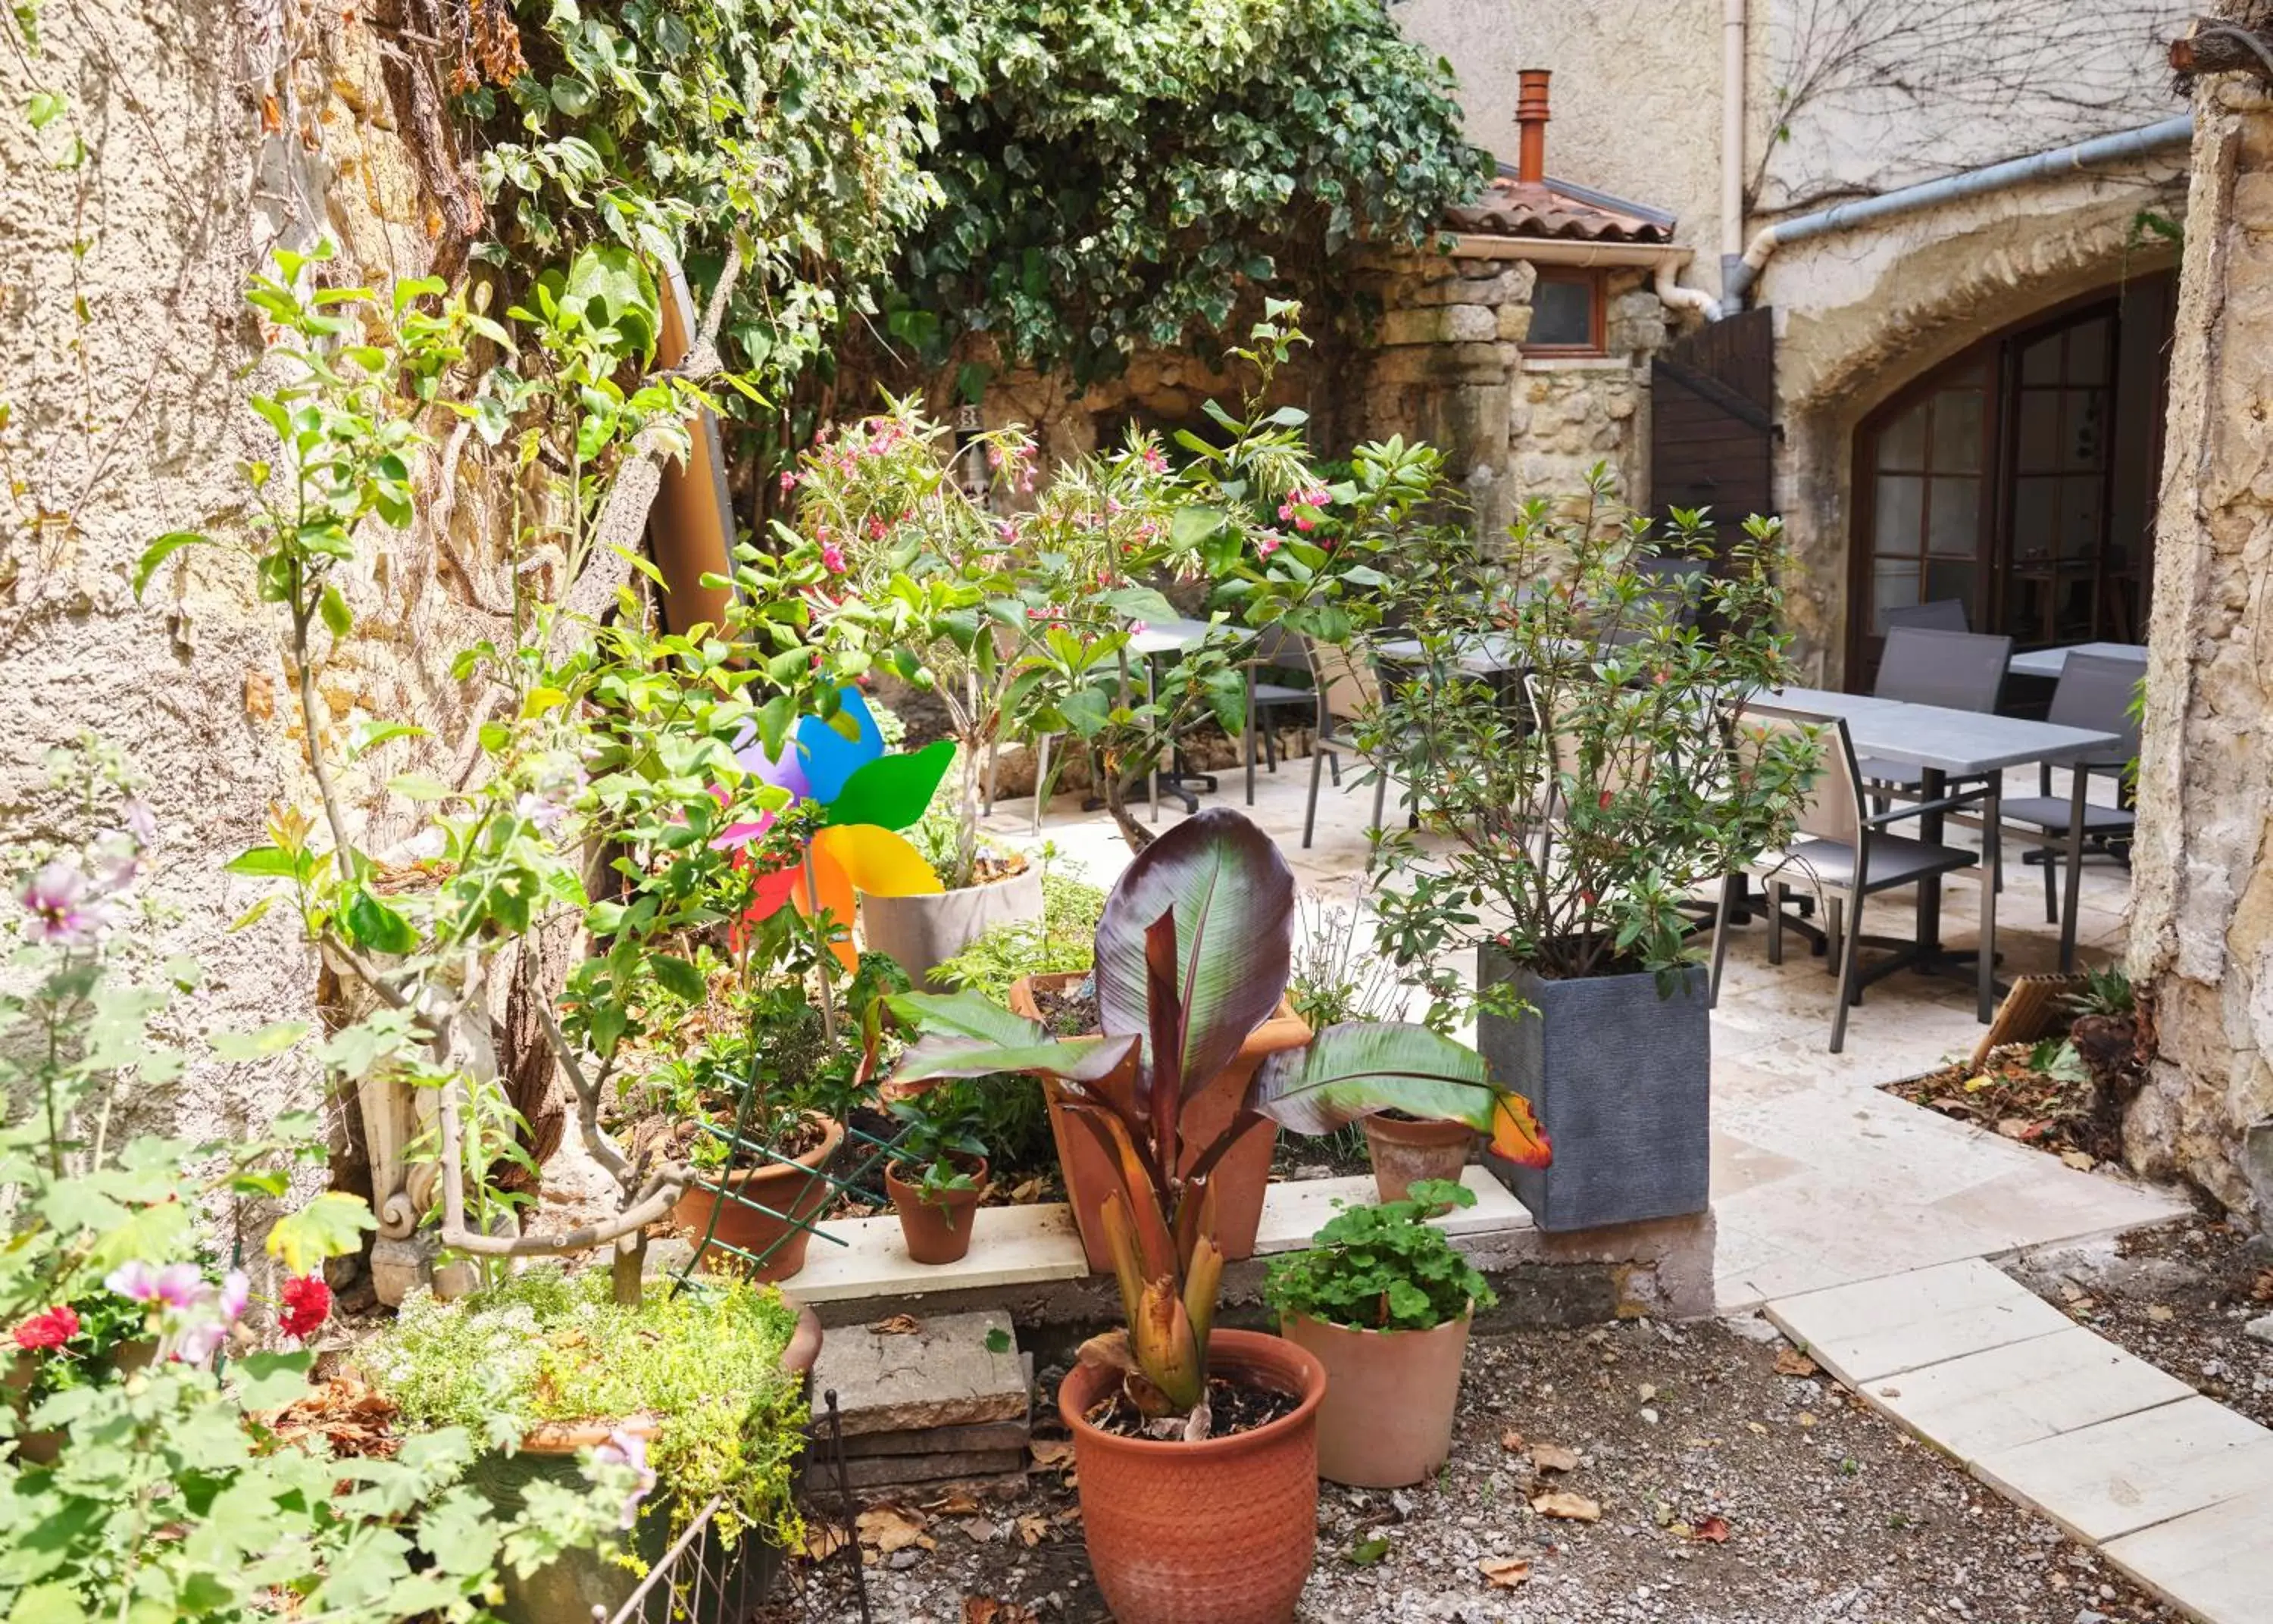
x=1222, y=1532
x=937, y=1232
x=1387, y=1417
x=796, y=1190
x=1406, y=1153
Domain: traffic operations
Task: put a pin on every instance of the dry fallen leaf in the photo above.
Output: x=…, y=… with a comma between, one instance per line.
x=1712, y=1530
x=889, y=1529
x=1755, y=1426
x=2081, y=1161
x=1792, y=1362
x=1554, y=1457
x=1504, y=1572
x=2160, y=1313
x=1510, y=1439
x=899, y=1324
x=1806, y=1419
x=2260, y=1289
x=1051, y=1453
x=822, y=1540
x=960, y=1503
x=1033, y=1529
x=987, y=1610
x=1570, y=1507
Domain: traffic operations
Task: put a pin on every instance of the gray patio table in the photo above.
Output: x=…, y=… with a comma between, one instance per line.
x=2052, y=662
x=1160, y=637
x=1945, y=743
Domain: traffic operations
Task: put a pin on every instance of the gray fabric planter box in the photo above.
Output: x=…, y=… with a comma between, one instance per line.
x=1621, y=1079
x=921, y=932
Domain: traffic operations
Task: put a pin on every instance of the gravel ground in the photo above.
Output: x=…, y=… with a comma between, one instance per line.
x=2180, y=1296
x=1730, y=1492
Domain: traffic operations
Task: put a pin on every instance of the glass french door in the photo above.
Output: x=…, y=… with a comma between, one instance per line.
x=2019, y=480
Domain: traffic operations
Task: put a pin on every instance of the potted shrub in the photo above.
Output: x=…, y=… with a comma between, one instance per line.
x=1566, y=839
x=702, y=1390
x=937, y=1178
x=1178, y=1425
x=1383, y=1300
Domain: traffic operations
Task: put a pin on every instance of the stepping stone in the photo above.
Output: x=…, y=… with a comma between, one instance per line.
x=1986, y=1403
x=980, y=1435
x=1876, y=1329
x=2113, y=1479
x=2215, y=1563
x=943, y=1374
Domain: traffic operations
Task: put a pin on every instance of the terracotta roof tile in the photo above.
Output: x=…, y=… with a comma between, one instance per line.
x=1509, y=208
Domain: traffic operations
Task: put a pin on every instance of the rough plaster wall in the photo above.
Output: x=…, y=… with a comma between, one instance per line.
x=1637, y=87
x=182, y=198
x=2203, y=871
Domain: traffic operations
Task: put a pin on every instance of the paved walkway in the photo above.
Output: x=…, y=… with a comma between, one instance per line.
x=2174, y=1488
x=1819, y=1179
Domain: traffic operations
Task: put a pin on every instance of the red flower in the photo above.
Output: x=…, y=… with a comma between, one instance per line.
x=307, y=1302
x=58, y=1325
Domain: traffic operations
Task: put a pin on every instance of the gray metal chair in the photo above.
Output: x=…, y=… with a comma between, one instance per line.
x=1940, y=615
x=1959, y=671
x=2094, y=692
x=1846, y=857
x=1276, y=647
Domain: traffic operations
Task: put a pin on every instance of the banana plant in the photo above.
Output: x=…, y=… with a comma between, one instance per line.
x=1193, y=953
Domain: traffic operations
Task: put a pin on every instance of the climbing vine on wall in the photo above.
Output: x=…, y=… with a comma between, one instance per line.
x=1071, y=179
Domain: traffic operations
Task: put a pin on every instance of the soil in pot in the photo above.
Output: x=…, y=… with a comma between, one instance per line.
x=937, y=1230
x=1407, y=1152
x=791, y=1194
x=1386, y=1420
x=1222, y=1532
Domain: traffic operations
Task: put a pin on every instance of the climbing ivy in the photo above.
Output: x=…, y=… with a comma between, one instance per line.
x=1073, y=180
x=1116, y=172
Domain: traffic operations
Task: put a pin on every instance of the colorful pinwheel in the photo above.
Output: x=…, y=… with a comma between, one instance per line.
x=866, y=795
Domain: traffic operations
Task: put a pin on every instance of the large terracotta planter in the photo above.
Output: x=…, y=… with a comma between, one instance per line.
x=1387, y=1417
x=795, y=1191
x=1241, y=1176
x=937, y=1232
x=1217, y=1533
x=923, y=932
x=584, y=1584
x=1409, y=1153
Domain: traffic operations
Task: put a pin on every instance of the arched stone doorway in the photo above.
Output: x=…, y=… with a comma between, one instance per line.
x=2017, y=477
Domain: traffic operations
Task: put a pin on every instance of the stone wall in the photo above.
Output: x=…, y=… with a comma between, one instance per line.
x=2202, y=871
x=210, y=136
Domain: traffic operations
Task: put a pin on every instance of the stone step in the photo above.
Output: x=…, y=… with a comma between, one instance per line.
x=954, y=1370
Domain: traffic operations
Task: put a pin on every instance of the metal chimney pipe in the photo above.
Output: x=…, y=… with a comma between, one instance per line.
x=1531, y=125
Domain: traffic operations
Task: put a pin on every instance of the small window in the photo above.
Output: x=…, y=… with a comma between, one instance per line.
x=1566, y=312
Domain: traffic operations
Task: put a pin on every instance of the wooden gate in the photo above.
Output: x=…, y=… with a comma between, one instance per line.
x=1712, y=434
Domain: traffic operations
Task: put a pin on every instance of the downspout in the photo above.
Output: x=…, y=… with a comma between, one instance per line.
x=1678, y=297
x=1732, y=151
x=1970, y=183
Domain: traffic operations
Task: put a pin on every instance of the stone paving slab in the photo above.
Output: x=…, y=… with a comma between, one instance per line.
x=1872, y=1329
x=1293, y=1211
x=1986, y=1403
x=943, y=1374
x=1009, y=1246
x=2215, y=1563
x=2127, y=1474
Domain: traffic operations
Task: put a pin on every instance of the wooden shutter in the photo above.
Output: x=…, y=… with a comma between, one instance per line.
x=1712, y=434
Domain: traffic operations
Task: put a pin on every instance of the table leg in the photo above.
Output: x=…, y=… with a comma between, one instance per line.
x=1250, y=735
x=1931, y=788
x=2078, y=797
x=1993, y=854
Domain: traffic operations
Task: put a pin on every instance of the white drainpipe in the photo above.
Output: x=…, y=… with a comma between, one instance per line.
x=1970, y=183
x=1732, y=144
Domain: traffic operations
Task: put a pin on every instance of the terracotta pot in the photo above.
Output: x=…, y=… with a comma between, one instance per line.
x=937, y=1232
x=1387, y=1418
x=583, y=1583
x=796, y=1192
x=42, y=1448
x=922, y=932
x=1217, y=1532
x=1407, y=1153
x=1241, y=1176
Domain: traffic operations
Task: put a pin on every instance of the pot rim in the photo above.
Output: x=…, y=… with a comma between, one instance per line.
x=1314, y=1392
x=1466, y=1316
x=804, y=1167
x=1033, y=871
x=894, y=1184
